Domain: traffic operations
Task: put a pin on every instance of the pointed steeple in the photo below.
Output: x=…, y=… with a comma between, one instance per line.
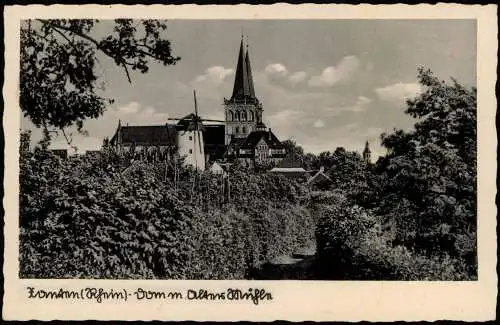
x=249, y=75
x=241, y=88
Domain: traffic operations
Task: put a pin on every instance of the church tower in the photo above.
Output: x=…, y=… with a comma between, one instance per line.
x=367, y=153
x=243, y=110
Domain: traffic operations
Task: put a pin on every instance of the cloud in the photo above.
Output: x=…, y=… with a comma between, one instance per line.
x=276, y=70
x=360, y=105
x=215, y=75
x=331, y=75
x=136, y=114
x=319, y=124
x=279, y=74
x=398, y=92
x=130, y=108
x=212, y=84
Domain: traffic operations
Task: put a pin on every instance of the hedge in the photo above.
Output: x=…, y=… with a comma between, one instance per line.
x=81, y=219
x=352, y=244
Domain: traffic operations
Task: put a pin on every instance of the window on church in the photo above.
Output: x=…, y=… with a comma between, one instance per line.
x=190, y=138
x=244, y=130
x=243, y=116
x=251, y=116
x=190, y=151
x=236, y=130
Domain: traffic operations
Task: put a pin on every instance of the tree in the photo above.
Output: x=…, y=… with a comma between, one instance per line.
x=293, y=149
x=429, y=187
x=58, y=81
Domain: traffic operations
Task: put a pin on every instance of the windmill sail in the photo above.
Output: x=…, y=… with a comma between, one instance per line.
x=197, y=121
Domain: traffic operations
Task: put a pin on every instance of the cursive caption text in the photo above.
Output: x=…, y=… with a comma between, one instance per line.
x=100, y=295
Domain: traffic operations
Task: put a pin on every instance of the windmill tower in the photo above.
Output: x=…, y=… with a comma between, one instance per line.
x=190, y=142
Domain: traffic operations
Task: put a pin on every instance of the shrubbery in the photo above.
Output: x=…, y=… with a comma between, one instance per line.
x=411, y=215
x=80, y=219
x=352, y=245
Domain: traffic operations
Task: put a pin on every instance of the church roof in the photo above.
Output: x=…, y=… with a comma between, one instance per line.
x=243, y=89
x=162, y=135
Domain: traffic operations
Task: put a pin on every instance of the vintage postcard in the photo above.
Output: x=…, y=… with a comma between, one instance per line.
x=282, y=162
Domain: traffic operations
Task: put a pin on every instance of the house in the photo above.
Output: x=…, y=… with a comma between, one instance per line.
x=259, y=147
x=319, y=179
x=291, y=168
x=61, y=153
x=217, y=169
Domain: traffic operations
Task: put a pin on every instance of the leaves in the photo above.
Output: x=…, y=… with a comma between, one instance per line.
x=96, y=222
x=58, y=78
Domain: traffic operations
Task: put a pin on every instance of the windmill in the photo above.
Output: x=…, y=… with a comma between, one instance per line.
x=190, y=139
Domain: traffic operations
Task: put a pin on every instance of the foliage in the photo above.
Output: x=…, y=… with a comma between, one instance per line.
x=58, y=77
x=412, y=215
x=429, y=193
x=352, y=245
x=86, y=218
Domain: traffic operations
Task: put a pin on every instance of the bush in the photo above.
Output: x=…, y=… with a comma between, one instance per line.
x=83, y=219
x=352, y=245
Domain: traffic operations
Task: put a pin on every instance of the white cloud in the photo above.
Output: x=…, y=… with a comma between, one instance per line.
x=213, y=83
x=333, y=74
x=362, y=100
x=284, y=121
x=215, y=74
x=136, y=114
x=276, y=70
x=360, y=105
x=327, y=78
x=130, y=108
x=398, y=91
x=319, y=124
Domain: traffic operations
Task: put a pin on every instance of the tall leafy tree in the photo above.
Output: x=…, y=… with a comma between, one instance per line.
x=429, y=187
x=58, y=79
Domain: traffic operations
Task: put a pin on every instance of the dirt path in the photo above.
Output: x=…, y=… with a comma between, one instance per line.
x=298, y=266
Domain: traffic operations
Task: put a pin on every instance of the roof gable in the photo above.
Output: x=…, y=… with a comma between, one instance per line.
x=255, y=136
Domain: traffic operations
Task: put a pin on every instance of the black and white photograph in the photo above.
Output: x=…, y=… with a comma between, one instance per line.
x=248, y=149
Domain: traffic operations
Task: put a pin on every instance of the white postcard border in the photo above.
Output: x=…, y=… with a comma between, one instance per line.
x=293, y=300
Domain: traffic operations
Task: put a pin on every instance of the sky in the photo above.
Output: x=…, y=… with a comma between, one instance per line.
x=323, y=83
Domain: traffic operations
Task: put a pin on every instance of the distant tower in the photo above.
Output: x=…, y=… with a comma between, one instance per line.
x=243, y=110
x=367, y=153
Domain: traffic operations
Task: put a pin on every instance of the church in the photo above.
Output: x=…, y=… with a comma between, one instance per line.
x=242, y=135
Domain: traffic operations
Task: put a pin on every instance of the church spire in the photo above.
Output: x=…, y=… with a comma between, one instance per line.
x=240, y=88
x=243, y=82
